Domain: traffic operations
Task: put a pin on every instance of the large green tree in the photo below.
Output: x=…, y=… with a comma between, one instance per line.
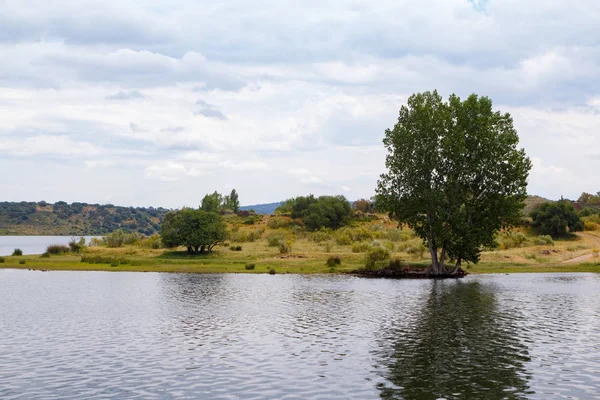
x=454, y=175
x=197, y=230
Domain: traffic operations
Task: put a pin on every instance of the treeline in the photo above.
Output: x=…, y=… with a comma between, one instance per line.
x=61, y=218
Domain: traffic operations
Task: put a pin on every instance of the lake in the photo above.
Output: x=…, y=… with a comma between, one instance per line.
x=92, y=335
x=33, y=244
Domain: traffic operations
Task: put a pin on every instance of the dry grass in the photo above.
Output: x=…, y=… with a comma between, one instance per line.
x=308, y=256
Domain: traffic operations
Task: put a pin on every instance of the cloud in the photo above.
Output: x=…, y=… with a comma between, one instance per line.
x=306, y=92
x=126, y=95
x=208, y=110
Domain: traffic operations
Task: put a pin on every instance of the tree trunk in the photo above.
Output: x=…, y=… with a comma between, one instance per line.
x=190, y=250
x=456, y=267
x=202, y=248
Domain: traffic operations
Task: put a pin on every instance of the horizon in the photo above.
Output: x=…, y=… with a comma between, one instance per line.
x=154, y=102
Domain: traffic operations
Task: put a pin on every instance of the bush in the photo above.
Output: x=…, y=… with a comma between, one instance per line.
x=376, y=254
x=278, y=223
x=543, y=240
x=417, y=250
x=95, y=242
x=272, y=271
x=21, y=261
x=17, y=252
x=57, y=249
x=235, y=248
x=45, y=255
x=556, y=219
x=2, y=259
x=360, y=247
x=333, y=261
x=251, y=220
x=275, y=239
x=343, y=239
x=320, y=236
x=114, y=239
x=77, y=245
x=590, y=226
x=285, y=248
x=90, y=259
x=151, y=242
x=509, y=240
x=250, y=267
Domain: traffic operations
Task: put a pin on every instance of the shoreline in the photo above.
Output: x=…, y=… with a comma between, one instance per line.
x=295, y=266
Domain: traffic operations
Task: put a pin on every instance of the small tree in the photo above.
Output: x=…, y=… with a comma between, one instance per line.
x=197, y=230
x=212, y=202
x=454, y=175
x=556, y=219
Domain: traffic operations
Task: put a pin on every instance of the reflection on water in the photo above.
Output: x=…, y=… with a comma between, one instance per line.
x=81, y=335
x=460, y=346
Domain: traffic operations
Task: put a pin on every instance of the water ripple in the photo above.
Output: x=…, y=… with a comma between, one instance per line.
x=75, y=335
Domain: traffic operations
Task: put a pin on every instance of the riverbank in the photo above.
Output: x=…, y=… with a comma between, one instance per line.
x=255, y=249
x=160, y=261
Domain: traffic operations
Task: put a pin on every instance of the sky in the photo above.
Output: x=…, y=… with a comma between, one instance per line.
x=156, y=103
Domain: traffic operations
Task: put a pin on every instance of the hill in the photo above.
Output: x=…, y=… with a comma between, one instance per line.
x=61, y=218
x=268, y=208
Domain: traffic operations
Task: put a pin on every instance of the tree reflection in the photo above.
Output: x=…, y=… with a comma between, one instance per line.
x=460, y=346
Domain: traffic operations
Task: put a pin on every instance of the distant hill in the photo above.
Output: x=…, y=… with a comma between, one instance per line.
x=61, y=218
x=268, y=208
x=532, y=202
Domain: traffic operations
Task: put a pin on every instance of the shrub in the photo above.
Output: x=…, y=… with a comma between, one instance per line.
x=333, y=261
x=508, y=240
x=57, y=249
x=45, y=255
x=2, y=259
x=590, y=226
x=90, y=259
x=114, y=239
x=278, y=222
x=320, y=236
x=250, y=267
x=95, y=242
x=17, y=252
x=360, y=247
x=235, y=248
x=343, y=239
x=21, y=261
x=543, y=240
x=376, y=254
x=417, y=250
x=272, y=271
x=151, y=242
x=251, y=220
x=275, y=239
x=285, y=248
x=77, y=245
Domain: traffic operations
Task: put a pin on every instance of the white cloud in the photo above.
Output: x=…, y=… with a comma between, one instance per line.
x=283, y=99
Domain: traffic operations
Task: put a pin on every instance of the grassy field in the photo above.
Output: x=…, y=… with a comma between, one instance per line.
x=311, y=251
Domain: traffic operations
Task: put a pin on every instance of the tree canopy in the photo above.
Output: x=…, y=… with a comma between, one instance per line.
x=454, y=175
x=216, y=202
x=556, y=219
x=197, y=230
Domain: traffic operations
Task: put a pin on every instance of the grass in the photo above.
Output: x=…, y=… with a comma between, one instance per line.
x=309, y=257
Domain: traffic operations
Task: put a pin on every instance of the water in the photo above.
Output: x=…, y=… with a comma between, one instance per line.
x=82, y=335
x=32, y=244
